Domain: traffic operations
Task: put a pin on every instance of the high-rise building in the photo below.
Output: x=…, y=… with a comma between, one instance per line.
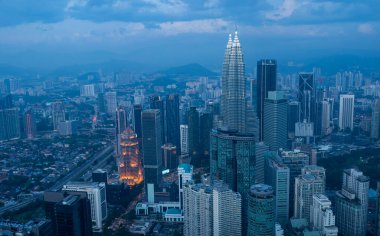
x=68, y=127
x=266, y=81
x=156, y=102
x=96, y=193
x=306, y=185
x=293, y=117
x=88, y=90
x=57, y=113
x=121, y=120
x=173, y=121
x=197, y=210
x=129, y=159
x=70, y=213
x=375, y=124
x=184, y=133
x=111, y=102
x=295, y=161
x=325, y=117
x=185, y=175
x=152, y=142
x=101, y=103
x=261, y=215
x=232, y=159
x=277, y=175
x=352, y=203
x=100, y=176
x=170, y=157
x=137, y=127
x=346, y=111
x=194, y=136
x=205, y=127
x=226, y=211
x=275, y=121
x=233, y=86
x=30, y=129
x=9, y=124
x=306, y=97
x=261, y=150
x=322, y=217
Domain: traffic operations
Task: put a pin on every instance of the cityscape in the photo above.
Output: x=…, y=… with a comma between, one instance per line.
x=260, y=147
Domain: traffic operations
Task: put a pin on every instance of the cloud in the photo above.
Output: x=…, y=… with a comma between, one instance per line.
x=168, y=7
x=75, y=3
x=195, y=26
x=366, y=28
x=285, y=10
x=211, y=3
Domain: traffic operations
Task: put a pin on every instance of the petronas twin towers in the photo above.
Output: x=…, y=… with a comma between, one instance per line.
x=233, y=87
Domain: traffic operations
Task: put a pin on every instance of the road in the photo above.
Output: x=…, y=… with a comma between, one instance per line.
x=100, y=158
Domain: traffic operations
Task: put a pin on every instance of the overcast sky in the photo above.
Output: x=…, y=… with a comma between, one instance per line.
x=175, y=32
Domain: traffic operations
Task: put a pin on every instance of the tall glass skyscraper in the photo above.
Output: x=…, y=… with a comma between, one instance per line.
x=306, y=96
x=172, y=121
x=233, y=87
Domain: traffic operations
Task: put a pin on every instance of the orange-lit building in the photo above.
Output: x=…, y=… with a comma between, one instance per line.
x=129, y=161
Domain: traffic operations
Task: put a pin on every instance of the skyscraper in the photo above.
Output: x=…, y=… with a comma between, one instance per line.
x=293, y=117
x=57, y=113
x=151, y=133
x=96, y=193
x=306, y=185
x=266, y=81
x=322, y=217
x=275, y=121
x=193, y=136
x=233, y=86
x=375, y=125
x=261, y=150
x=121, y=120
x=306, y=96
x=185, y=175
x=170, y=157
x=346, y=111
x=156, y=102
x=29, y=124
x=205, y=127
x=137, y=110
x=173, y=121
x=352, y=203
x=184, y=129
x=111, y=103
x=277, y=175
x=129, y=160
x=9, y=124
x=261, y=216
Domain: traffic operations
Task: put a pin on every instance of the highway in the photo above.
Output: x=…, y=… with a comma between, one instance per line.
x=100, y=158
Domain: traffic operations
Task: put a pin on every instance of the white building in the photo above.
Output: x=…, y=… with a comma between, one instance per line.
x=96, y=193
x=184, y=135
x=322, y=217
x=68, y=127
x=185, y=175
x=88, y=90
x=325, y=124
x=346, y=111
x=111, y=103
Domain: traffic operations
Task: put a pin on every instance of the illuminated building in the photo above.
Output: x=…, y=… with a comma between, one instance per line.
x=130, y=168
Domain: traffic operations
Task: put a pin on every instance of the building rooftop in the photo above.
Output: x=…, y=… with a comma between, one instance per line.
x=186, y=167
x=261, y=191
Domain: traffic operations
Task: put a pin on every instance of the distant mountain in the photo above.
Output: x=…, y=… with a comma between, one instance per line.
x=193, y=69
x=14, y=71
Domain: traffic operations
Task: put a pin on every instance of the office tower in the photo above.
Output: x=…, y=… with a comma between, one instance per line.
x=68, y=127
x=252, y=121
x=170, y=157
x=277, y=175
x=293, y=117
x=185, y=175
x=121, y=120
x=88, y=90
x=9, y=124
x=110, y=103
x=156, y=102
x=325, y=117
x=101, y=102
x=30, y=129
x=352, y=203
x=173, y=121
x=184, y=133
x=253, y=84
x=100, y=176
x=306, y=96
x=346, y=111
x=261, y=150
x=7, y=86
x=295, y=161
x=70, y=213
x=275, y=121
x=233, y=87
x=129, y=159
x=306, y=185
x=261, y=215
x=57, y=113
x=226, y=211
x=322, y=217
x=232, y=159
x=205, y=127
x=137, y=110
x=96, y=193
x=375, y=125
x=151, y=133
x=266, y=81
x=6, y=101
x=377, y=217
x=197, y=210
x=193, y=136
